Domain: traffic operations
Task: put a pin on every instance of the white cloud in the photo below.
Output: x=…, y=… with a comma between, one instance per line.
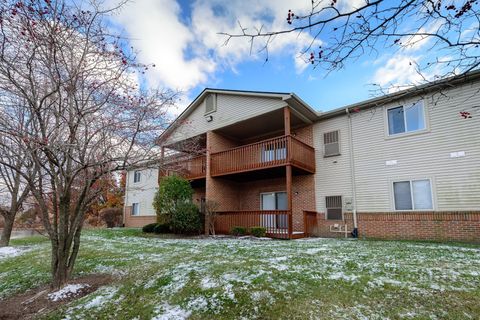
x=188, y=51
x=157, y=32
x=399, y=70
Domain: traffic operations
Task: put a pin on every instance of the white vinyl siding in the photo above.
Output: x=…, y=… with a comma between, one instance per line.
x=332, y=174
x=142, y=192
x=230, y=109
x=413, y=195
x=455, y=181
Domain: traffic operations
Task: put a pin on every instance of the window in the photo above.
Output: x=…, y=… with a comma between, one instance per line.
x=210, y=103
x=274, y=151
x=330, y=143
x=136, y=176
x=333, y=205
x=274, y=201
x=406, y=118
x=413, y=195
x=135, y=209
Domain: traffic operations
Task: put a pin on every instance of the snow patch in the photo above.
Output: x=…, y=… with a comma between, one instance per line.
x=10, y=252
x=103, y=296
x=66, y=292
x=168, y=312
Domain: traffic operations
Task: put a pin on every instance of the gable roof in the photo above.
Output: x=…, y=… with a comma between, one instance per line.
x=300, y=107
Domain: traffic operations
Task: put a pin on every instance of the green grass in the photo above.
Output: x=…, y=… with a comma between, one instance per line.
x=235, y=279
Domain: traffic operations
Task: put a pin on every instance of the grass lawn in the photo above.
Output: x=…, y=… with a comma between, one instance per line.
x=258, y=279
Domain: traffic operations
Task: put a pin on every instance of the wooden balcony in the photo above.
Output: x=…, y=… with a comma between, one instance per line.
x=271, y=153
x=189, y=168
x=274, y=221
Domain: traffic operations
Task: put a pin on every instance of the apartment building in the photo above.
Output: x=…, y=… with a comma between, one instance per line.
x=400, y=166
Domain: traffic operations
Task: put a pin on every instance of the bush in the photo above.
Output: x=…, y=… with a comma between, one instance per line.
x=173, y=191
x=161, y=228
x=149, y=228
x=258, y=231
x=186, y=219
x=238, y=231
x=112, y=217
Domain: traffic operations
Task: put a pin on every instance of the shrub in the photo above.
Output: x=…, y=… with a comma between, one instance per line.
x=186, y=219
x=173, y=191
x=112, y=217
x=258, y=231
x=238, y=231
x=149, y=228
x=161, y=228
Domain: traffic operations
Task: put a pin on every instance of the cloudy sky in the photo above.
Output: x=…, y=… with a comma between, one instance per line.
x=181, y=38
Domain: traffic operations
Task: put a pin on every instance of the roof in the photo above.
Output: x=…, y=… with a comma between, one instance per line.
x=307, y=113
x=299, y=106
x=413, y=91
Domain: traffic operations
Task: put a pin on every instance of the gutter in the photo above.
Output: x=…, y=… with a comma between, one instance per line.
x=352, y=171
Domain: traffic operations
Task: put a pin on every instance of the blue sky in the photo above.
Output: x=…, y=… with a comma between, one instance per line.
x=181, y=38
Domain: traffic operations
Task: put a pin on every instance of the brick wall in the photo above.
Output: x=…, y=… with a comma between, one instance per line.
x=437, y=226
x=137, y=221
x=304, y=134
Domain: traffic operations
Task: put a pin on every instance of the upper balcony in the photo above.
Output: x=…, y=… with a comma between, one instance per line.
x=270, y=153
x=191, y=168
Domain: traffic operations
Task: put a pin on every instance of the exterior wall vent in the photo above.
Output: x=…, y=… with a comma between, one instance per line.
x=331, y=143
x=211, y=103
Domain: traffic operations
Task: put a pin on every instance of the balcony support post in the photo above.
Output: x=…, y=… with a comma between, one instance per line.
x=288, y=170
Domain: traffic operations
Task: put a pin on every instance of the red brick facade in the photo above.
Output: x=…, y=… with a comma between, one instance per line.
x=232, y=195
x=438, y=226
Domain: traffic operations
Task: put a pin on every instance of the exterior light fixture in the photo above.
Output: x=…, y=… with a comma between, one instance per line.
x=209, y=118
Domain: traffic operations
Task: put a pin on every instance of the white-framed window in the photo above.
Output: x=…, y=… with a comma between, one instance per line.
x=136, y=176
x=135, y=209
x=413, y=195
x=334, y=207
x=407, y=118
x=331, y=143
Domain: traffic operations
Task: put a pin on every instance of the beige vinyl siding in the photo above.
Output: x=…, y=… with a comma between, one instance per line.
x=455, y=181
x=230, y=109
x=332, y=175
x=142, y=192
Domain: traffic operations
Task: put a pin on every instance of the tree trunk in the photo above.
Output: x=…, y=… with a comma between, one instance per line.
x=7, y=231
x=59, y=268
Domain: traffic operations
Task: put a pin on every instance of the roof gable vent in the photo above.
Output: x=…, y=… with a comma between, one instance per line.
x=211, y=103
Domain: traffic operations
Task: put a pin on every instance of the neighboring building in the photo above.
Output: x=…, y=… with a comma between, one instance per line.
x=141, y=185
x=401, y=166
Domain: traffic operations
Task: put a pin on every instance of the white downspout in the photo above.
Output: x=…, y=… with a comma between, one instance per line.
x=352, y=170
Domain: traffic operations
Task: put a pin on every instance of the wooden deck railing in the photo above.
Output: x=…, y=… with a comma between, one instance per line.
x=264, y=154
x=310, y=222
x=189, y=168
x=275, y=221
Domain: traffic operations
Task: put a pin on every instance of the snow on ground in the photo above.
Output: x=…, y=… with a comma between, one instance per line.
x=168, y=312
x=208, y=278
x=10, y=252
x=66, y=292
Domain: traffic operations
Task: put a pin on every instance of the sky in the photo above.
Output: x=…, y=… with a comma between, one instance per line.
x=181, y=38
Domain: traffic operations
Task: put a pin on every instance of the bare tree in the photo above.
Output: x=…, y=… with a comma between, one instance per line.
x=13, y=189
x=340, y=32
x=88, y=115
x=211, y=213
